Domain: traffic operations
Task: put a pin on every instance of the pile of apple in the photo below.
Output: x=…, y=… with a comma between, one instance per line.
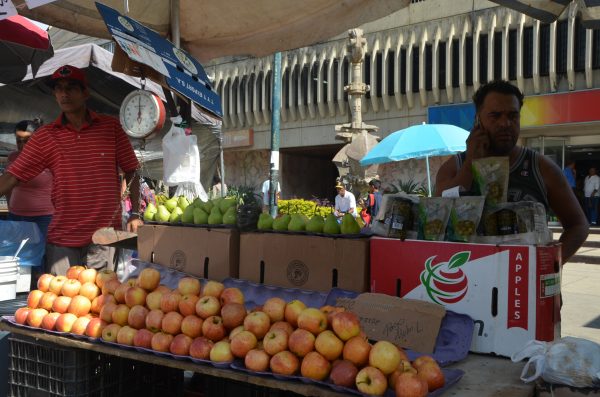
x=212, y=323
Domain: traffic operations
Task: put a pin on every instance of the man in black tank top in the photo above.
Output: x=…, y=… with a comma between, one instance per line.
x=533, y=177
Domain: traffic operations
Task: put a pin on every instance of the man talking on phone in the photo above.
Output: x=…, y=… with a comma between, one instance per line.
x=533, y=177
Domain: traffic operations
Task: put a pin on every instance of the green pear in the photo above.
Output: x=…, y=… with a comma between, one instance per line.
x=349, y=225
x=331, y=225
x=216, y=202
x=171, y=204
x=162, y=214
x=197, y=203
x=151, y=210
x=215, y=217
x=183, y=202
x=176, y=215
x=200, y=217
x=188, y=214
x=297, y=223
x=207, y=206
x=227, y=203
x=315, y=224
x=230, y=217
x=282, y=222
x=265, y=221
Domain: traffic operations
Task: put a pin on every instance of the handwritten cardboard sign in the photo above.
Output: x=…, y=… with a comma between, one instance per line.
x=408, y=323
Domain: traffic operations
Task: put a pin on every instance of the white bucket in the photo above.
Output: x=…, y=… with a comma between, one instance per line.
x=9, y=272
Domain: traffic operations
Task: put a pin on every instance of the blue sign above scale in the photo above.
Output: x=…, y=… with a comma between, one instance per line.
x=182, y=72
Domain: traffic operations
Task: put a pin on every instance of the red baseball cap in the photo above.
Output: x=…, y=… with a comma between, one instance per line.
x=70, y=73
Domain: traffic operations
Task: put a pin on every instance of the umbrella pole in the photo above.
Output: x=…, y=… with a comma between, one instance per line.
x=428, y=176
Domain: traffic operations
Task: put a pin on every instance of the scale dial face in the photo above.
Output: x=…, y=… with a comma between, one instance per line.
x=142, y=113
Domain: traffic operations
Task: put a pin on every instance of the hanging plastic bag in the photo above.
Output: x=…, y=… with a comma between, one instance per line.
x=181, y=158
x=567, y=361
x=11, y=235
x=191, y=191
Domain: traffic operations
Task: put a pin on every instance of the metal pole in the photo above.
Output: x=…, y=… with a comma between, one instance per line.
x=275, y=108
x=175, y=34
x=222, y=162
x=428, y=176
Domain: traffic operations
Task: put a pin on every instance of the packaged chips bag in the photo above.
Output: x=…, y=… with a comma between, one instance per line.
x=490, y=178
x=434, y=213
x=464, y=218
x=397, y=216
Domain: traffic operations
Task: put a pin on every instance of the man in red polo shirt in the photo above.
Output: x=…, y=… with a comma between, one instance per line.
x=84, y=151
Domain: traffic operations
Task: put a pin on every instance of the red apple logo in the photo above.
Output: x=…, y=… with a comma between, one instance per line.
x=445, y=282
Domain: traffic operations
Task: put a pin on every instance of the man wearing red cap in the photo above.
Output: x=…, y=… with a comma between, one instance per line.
x=84, y=151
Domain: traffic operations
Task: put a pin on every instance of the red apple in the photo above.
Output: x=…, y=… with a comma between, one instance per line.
x=208, y=306
x=171, y=323
x=201, y=347
x=109, y=333
x=284, y=325
x=242, y=343
x=221, y=352
x=99, y=301
x=95, y=327
x=47, y=300
x=119, y=293
x=293, y=310
x=103, y=276
x=107, y=311
x=34, y=297
x=236, y=331
x=163, y=288
x=148, y=279
x=275, y=341
x=87, y=275
x=301, y=342
x=345, y=325
x=80, y=325
x=36, y=316
x=257, y=360
x=21, y=314
x=384, y=356
x=213, y=288
x=161, y=342
x=231, y=295
x=125, y=335
x=80, y=305
x=153, y=299
x=180, y=345
x=372, y=381
x=121, y=314
x=110, y=286
x=315, y=366
x=137, y=317
x=43, y=282
x=73, y=272
x=275, y=308
x=409, y=384
x=233, y=315
x=284, y=363
x=49, y=321
x=343, y=373
x=64, y=323
x=70, y=288
x=356, y=350
x=403, y=367
x=258, y=323
x=187, y=304
x=329, y=345
x=213, y=328
x=192, y=326
x=135, y=296
x=419, y=361
x=189, y=286
x=432, y=374
x=312, y=320
x=154, y=320
x=56, y=284
x=143, y=338
x=169, y=302
x=89, y=290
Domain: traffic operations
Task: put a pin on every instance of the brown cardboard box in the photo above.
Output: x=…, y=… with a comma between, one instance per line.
x=207, y=253
x=307, y=262
x=407, y=323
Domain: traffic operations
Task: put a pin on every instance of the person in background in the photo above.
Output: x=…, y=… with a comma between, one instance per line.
x=215, y=191
x=375, y=203
x=84, y=151
x=345, y=202
x=591, y=190
x=570, y=173
x=266, y=188
x=533, y=177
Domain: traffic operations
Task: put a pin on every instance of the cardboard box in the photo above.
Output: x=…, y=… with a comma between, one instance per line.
x=408, y=323
x=307, y=262
x=207, y=253
x=512, y=292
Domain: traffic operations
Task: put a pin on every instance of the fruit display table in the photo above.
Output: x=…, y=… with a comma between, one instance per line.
x=484, y=375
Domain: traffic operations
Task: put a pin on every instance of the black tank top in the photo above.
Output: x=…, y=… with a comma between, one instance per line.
x=525, y=182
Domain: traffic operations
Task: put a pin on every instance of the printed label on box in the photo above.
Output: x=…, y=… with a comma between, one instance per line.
x=549, y=285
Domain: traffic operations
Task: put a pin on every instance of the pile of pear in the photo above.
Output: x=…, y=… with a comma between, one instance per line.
x=219, y=211
x=316, y=224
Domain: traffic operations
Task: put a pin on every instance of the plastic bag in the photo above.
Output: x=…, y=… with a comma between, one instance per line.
x=568, y=361
x=191, y=191
x=490, y=175
x=11, y=235
x=181, y=158
x=434, y=213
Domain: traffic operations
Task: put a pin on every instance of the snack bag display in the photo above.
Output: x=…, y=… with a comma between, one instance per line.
x=464, y=218
x=490, y=178
x=397, y=216
x=434, y=213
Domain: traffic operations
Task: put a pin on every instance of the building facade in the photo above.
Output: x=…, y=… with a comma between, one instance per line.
x=423, y=64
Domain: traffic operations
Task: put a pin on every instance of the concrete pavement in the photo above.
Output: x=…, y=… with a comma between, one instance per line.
x=580, y=314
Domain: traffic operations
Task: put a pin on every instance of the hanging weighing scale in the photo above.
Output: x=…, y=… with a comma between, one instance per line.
x=142, y=114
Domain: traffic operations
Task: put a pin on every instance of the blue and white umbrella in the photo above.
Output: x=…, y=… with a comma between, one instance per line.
x=418, y=141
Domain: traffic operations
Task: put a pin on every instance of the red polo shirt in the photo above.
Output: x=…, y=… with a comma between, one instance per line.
x=85, y=166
